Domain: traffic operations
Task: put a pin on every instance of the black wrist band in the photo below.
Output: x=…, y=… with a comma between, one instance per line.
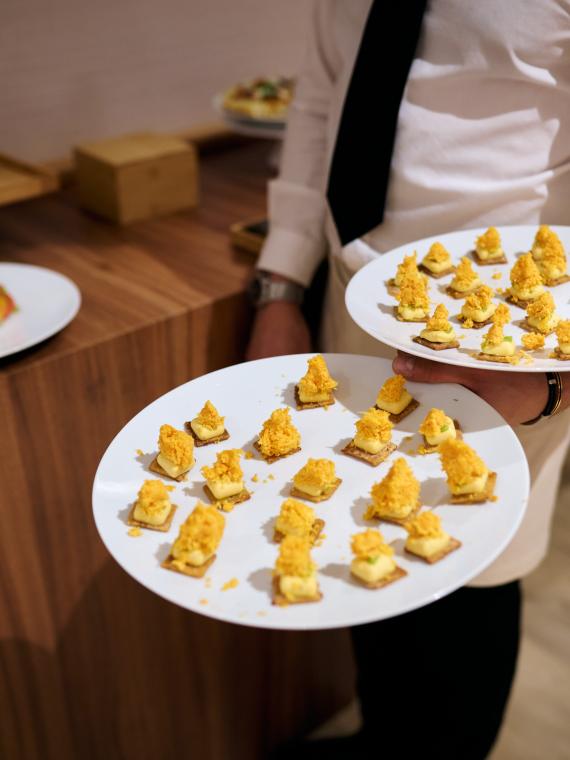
x=554, y=399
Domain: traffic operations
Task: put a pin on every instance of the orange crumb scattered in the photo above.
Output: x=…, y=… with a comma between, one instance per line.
x=134, y=532
x=230, y=584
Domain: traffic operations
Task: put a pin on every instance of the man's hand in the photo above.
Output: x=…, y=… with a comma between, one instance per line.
x=517, y=397
x=279, y=328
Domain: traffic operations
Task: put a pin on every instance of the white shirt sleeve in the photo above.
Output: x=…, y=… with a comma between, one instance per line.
x=297, y=198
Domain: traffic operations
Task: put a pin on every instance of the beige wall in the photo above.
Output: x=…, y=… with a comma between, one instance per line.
x=75, y=70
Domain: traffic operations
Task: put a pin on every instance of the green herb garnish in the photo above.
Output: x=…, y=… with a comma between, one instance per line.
x=372, y=560
x=508, y=338
x=444, y=429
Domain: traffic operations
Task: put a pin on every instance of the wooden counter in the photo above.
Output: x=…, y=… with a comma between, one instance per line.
x=91, y=664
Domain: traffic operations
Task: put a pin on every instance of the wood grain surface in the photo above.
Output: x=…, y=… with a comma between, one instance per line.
x=91, y=664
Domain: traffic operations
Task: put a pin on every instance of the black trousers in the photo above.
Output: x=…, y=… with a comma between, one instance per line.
x=435, y=682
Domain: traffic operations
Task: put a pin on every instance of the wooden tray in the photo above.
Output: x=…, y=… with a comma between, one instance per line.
x=20, y=181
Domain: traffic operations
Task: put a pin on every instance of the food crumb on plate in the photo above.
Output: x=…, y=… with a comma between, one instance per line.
x=134, y=532
x=140, y=452
x=497, y=275
x=230, y=584
x=203, y=601
x=255, y=478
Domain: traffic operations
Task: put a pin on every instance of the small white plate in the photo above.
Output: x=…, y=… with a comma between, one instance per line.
x=246, y=395
x=371, y=306
x=46, y=302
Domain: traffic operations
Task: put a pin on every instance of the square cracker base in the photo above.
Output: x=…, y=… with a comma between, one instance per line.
x=412, y=406
x=316, y=530
x=518, y=301
x=243, y=495
x=199, y=442
x=489, y=262
x=311, y=404
x=395, y=575
x=297, y=494
x=530, y=329
x=396, y=520
x=365, y=456
x=401, y=319
x=281, y=601
x=433, y=558
x=435, y=346
x=155, y=467
x=192, y=572
x=163, y=527
x=557, y=354
x=478, y=498
x=497, y=359
x=475, y=325
x=557, y=281
x=436, y=275
x=270, y=460
x=459, y=295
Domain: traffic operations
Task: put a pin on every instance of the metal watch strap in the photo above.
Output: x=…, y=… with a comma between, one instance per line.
x=264, y=289
x=554, y=399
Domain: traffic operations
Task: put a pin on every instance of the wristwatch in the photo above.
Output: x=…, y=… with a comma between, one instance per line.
x=554, y=401
x=263, y=289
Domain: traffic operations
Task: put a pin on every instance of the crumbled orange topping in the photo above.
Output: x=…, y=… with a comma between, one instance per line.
x=542, y=308
x=294, y=557
x=468, y=323
x=438, y=322
x=532, y=341
x=460, y=463
x=494, y=337
x=502, y=315
x=399, y=488
x=497, y=275
x=232, y=583
x=464, y=274
x=209, y=416
x=201, y=531
x=226, y=468
x=370, y=544
x=490, y=240
x=295, y=517
x=434, y=423
x=438, y=253
x=408, y=267
x=176, y=445
x=524, y=273
x=553, y=260
x=563, y=331
x=278, y=435
x=392, y=389
x=317, y=379
x=544, y=235
x=413, y=293
x=134, y=532
x=152, y=495
x=375, y=425
x=317, y=473
x=426, y=525
x=480, y=299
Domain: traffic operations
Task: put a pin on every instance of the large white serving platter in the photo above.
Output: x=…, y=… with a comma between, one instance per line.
x=246, y=394
x=371, y=306
x=47, y=301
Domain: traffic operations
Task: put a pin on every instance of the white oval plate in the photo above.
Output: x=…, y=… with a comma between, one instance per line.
x=246, y=394
x=47, y=301
x=370, y=305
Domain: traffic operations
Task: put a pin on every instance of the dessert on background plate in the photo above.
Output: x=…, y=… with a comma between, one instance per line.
x=436, y=428
x=194, y=550
x=373, y=564
x=279, y=437
x=497, y=347
x=261, y=98
x=562, y=350
x=208, y=426
x=550, y=256
x=427, y=539
x=152, y=508
x=373, y=440
x=396, y=498
x=413, y=300
x=465, y=281
x=315, y=388
x=541, y=315
x=295, y=575
x=297, y=519
x=488, y=248
x=526, y=282
x=437, y=262
x=175, y=453
x=394, y=398
x=438, y=334
x=224, y=479
x=478, y=309
x=316, y=481
x=545, y=236
x=7, y=304
x=468, y=477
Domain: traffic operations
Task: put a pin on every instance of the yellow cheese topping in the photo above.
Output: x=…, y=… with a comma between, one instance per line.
x=502, y=315
x=532, y=341
x=425, y=525
x=177, y=446
x=552, y=262
x=295, y=519
x=370, y=544
x=413, y=294
x=397, y=494
x=208, y=423
x=526, y=281
x=489, y=241
x=461, y=465
x=279, y=435
x=317, y=383
x=294, y=557
x=226, y=468
x=152, y=505
x=315, y=476
x=435, y=424
x=199, y=537
x=407, y=268
x=465, y=278
x=438, y=329
x=375, y=425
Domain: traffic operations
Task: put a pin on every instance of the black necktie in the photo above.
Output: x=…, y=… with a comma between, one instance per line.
x=360, y=167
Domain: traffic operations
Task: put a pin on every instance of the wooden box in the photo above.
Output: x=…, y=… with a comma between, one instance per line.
x=136, y=177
